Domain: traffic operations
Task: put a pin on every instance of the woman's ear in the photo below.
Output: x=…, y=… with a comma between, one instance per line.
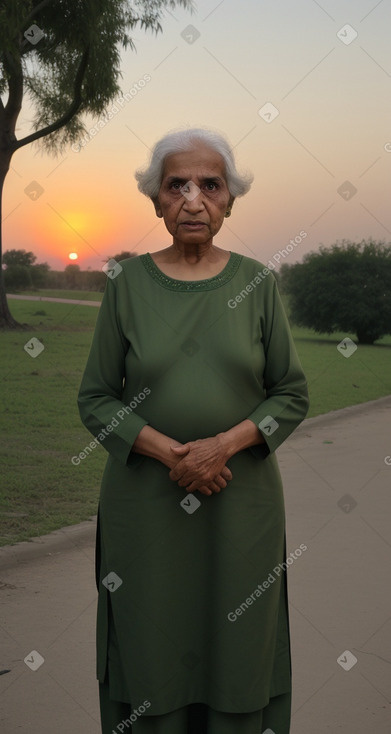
x=157, y=206
x=229, y=206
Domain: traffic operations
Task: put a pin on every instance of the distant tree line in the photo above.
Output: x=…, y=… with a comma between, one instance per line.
x=345, y=287
x=23, y=273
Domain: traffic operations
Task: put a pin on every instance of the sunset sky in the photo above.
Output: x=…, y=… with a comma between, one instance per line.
x=325, y=66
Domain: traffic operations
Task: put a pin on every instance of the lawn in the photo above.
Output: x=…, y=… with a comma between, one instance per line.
x=42, y=489
x=335, y=381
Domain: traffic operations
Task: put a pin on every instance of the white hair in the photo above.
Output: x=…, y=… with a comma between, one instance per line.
x=181, y=141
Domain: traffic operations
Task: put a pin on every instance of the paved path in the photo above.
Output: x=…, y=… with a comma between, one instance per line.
x=337, y=478
x=54, y=300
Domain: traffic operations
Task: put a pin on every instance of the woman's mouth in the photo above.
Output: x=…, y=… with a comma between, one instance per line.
x=193, y=225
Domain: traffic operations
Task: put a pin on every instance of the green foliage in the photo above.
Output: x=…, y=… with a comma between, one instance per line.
x=346, y=287
x=86, y=281
x=22, y=273
x=17, y=277
x=65, y=55
x=72, y=273
x=93, y=280
x=19, y=257
x=75, y=66
x=40, y=275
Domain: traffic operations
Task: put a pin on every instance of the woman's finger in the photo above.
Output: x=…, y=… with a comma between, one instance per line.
x=226, y=473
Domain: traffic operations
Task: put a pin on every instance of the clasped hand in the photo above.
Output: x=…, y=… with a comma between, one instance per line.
x=201, y=465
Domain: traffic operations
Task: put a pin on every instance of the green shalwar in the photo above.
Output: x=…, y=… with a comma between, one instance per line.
x=192, y=627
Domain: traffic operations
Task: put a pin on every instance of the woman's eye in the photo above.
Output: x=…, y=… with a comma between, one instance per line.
x=175, y=186
x=210, y=186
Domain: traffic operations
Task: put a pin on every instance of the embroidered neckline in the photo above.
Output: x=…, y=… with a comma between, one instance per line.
x=192, y=285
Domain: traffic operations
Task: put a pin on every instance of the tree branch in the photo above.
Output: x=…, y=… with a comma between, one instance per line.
x=26, y=24
x=73, y=109
x=34, y=11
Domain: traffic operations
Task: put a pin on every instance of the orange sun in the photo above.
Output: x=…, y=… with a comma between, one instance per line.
x=73, y=255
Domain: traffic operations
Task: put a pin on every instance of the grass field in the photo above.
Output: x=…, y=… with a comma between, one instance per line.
x=42, y=489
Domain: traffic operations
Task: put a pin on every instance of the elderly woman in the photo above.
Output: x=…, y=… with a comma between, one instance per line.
x=192, y=383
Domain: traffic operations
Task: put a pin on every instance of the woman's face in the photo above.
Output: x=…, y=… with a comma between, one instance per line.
x=193, y=196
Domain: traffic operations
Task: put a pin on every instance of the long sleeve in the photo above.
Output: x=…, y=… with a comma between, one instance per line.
x=100, y=403
x=285, y=386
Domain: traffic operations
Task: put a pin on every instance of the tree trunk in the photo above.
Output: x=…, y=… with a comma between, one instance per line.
x=7, y=321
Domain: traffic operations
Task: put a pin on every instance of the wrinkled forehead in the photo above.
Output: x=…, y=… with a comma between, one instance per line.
x=201, y=162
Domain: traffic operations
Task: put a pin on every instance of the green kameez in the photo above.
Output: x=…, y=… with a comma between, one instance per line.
x=192, y=600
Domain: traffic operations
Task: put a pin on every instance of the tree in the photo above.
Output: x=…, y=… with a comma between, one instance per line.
x=17, y=277
x=94, y=280
x=65, y=54
x=21, y=272
x=40, y=275
x=19, y=257
x=346, y=287
x=72, y=275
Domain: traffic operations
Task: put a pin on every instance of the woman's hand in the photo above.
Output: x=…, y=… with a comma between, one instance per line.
x=202, y=465
x=157, y=445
